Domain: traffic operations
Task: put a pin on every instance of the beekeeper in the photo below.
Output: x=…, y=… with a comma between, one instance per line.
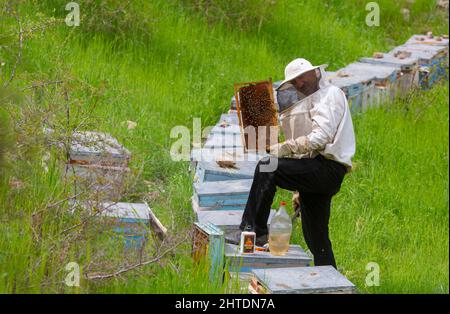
x=313, y=160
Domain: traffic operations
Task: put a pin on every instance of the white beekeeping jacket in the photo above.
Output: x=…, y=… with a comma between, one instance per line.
x=320, y=123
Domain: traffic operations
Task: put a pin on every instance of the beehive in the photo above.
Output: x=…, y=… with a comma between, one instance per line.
x=238, y=262
x=351, y=86
x=222, y=195
x=98, y=162
x=300, y=280
x=131, y=220
x=212, y=171
x=107, y=182
x=256, y=108
x=224, y=141
x=383, y=76
x=432, y=61
x=208, y=242
x=409, y=70
x=97, y=148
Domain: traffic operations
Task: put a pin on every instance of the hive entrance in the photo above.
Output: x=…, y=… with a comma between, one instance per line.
x=257, y=114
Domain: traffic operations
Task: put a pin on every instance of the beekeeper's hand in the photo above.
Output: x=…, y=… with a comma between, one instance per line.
x=280, y=150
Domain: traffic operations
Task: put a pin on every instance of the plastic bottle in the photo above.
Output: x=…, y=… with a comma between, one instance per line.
x=280, y=231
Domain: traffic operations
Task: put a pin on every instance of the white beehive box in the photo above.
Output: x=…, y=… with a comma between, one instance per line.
x=300, y=280
x=97, y=148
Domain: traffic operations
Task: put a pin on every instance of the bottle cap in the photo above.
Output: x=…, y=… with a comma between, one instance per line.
x=283, y=203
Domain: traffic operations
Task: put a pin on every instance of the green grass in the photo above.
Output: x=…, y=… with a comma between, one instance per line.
x=392, y=210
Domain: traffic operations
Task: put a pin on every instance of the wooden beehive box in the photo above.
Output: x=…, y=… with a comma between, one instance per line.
x=222, y=195
x=224, y=140
x=237, y=262
x=208, y=242
x=97, y=148
x=106, y=181
x=212, y=154
x=430, y=57
x=351, y=86
x=212, y=171
x=409, y=70
x=300, y=280
x=227, y=220
x=383, y=76
x=256, y=108
x=130, y=220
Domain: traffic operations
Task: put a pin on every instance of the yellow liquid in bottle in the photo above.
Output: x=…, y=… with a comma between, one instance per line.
x=279, y=244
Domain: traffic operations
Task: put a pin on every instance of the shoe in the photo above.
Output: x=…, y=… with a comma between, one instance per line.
x=262, y=240
x=233, y=237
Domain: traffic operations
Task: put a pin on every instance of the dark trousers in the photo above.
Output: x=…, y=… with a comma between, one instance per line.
x=317, y=180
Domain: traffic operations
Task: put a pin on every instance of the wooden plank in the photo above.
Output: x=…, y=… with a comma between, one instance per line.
x=303, y=280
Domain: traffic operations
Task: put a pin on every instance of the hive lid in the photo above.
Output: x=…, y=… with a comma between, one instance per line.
x=424, y=40
x=391, y=60
x=316, y=279
x=295, y=255
x=243, y=168
x=377, y=72
x=97, y=143
x=126, y=210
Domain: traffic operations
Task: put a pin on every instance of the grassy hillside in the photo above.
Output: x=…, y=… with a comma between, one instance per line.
x=162, y=63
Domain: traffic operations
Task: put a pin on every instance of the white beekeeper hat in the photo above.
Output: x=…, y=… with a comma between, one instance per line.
x=294, y=69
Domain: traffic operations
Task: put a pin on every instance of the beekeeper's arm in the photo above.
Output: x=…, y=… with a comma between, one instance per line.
x=326, y=117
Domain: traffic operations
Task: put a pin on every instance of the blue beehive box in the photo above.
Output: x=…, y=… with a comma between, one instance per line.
x=224, y=141
x=221, y=195
x=432, y=61
x=238, y=262
x=211, y=171
x=383, y=76
x=300, y=280
x=409, y=68
x=208, y=241
x=351, y=86
x=365, y=78
x=212, y=154
x=130, y=220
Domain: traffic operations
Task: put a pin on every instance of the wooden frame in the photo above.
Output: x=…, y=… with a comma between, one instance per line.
x=237, y=88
